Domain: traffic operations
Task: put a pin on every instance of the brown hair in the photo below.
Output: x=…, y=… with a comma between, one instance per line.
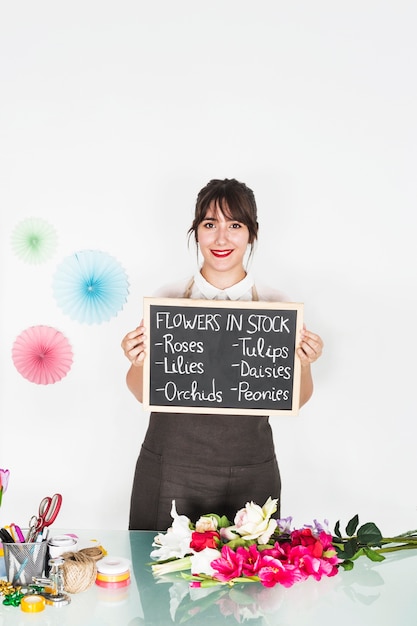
x=234, y=199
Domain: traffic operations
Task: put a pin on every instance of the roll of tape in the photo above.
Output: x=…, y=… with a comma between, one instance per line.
x=113, y=566
x=60, y=544
x=32, y=604
x=61, y=541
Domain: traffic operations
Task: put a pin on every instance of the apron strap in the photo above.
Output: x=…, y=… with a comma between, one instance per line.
x=187, y=292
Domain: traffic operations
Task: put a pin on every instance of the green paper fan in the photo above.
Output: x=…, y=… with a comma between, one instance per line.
x=34, y=240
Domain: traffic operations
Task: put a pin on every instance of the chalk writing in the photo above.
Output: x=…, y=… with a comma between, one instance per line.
x=213, y=356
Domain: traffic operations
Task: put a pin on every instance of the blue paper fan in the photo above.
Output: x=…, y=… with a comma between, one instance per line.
x=90, y=286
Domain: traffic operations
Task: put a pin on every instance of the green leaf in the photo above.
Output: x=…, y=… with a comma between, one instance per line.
x=339, y=551
x=214, y=515
x=347, y=565
x=372, y=554
x=337, y=530
x=369, y=534
x=350, y=548
x=352, y=526
x=239, y=541
x=224, y=522
x=357, y=554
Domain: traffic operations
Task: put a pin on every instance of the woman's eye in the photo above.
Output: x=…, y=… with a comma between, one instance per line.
x=236, y=225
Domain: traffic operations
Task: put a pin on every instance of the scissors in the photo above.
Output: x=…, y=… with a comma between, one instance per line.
x=48, y=510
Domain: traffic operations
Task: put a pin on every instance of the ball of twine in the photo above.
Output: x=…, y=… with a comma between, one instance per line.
x=80, y=570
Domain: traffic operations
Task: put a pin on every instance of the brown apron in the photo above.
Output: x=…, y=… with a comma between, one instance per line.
x=206, y=463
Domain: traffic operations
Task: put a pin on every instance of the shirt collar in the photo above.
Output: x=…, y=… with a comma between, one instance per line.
x=235, y=292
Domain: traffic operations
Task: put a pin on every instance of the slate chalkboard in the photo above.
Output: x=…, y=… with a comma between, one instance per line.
x=215, y=356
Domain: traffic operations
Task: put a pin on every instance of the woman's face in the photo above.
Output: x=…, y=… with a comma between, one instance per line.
x=223, y=244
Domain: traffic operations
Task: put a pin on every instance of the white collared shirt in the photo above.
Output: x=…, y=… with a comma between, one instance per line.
x=201, y=289
x=240, y=291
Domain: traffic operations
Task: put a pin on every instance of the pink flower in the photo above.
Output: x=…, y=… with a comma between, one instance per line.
x=254, y=558
x=4, y=481
x=273, y=571
x=251, y=560
x=229, y=565
x=315, y=556
x=277, y=551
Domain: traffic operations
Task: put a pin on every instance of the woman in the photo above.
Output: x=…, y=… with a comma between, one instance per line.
x=210, y=463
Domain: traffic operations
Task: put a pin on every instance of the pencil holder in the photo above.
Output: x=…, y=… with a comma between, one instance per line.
x=24, y=561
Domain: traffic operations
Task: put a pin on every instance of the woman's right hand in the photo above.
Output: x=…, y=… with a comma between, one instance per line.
x=134, y=345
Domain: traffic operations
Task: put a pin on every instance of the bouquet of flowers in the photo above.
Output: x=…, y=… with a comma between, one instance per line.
x=259, y=548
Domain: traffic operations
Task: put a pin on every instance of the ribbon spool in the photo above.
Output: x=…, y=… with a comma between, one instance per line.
x=113, y=582
x=113, y=566
x=32, y=604
x=113, y=579
x=113, y=573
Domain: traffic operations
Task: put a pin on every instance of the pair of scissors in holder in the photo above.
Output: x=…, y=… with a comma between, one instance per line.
x=48, y=511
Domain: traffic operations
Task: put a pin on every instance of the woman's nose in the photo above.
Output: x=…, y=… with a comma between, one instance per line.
x=221, y=234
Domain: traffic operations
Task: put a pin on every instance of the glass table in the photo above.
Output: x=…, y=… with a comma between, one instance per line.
x=371, y=594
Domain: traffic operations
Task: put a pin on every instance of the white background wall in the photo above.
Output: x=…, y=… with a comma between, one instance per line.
x=112, y=116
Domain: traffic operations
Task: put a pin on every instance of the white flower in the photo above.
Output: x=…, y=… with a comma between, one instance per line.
x=254, y=522
x=175, y=543
x=227, y=534
x=206, y=523
x=201, y=561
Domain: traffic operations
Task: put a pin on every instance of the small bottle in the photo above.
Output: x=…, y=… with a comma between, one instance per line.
x=56, y=575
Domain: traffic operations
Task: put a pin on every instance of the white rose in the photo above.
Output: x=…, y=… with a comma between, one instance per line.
x=254, y=522
x=205, y=524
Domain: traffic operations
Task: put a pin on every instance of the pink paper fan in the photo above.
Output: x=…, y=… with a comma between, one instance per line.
x=42, y=355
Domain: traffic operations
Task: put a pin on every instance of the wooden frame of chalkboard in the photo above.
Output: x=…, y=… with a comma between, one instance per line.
x=222, y=356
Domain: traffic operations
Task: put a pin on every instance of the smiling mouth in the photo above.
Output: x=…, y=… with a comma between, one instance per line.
x=221, y=254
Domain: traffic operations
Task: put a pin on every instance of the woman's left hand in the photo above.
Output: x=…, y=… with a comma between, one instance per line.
x=310, y=347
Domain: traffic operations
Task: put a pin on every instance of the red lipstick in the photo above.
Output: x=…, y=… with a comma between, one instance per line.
x=221, y=254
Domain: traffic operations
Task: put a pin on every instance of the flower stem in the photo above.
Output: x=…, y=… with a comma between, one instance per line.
x=177, y=565
x=400, y=538
x=403, y=546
